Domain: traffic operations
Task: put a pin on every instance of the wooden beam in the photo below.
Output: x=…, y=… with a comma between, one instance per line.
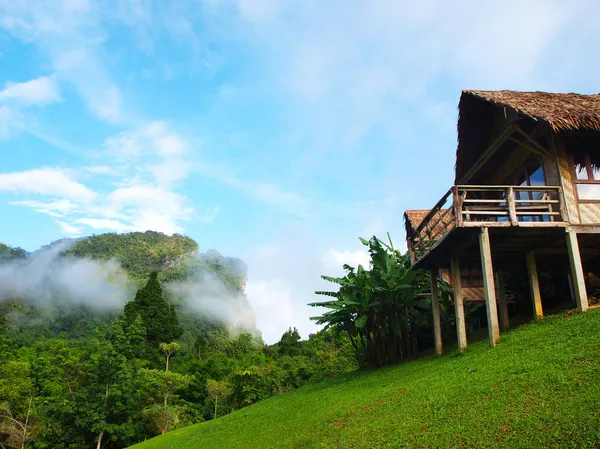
x=577, y=271
x=459, y=308
x=532, y=144
x=435, y=311
x=585, y=229
x=534, y=285
x=489, y=152
x=487, y=272
x=502, y=304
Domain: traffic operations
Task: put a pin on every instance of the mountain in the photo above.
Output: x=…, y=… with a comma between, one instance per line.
x=176, y=258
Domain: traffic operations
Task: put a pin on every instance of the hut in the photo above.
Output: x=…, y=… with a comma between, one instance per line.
x=526, y=196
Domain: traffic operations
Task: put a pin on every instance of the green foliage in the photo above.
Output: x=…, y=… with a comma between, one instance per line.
x=9, y=252
x=376, y=307
x=255, y=384
x=384, y=309
x=290, y=343
x=81, y=378
x=140, y=253
x=159, y=318
x=217, y=390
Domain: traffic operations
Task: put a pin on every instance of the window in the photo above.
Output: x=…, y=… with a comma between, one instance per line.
x=586, y=175
x=531, y=174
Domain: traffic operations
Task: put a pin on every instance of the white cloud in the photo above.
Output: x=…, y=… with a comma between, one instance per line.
x=284, y=274
x=46, y=181
x=149, y=207
x=38, y=91
x=83, y=70
x=102, y=170
x=146, y=161
x=68, y=229
x=154, y=148
x=272, y=302
x=349, y=70
x=70, y=36
x=10, y=122
x=334, y=259
x=105, y=224
x=55, y=208
x=269, y=193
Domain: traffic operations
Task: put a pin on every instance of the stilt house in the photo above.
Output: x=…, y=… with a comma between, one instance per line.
x=526, y=195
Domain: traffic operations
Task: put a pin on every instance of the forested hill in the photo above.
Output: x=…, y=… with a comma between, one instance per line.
x=8, y=252
x=44, y=277
x=174, y=257
x=90, y=359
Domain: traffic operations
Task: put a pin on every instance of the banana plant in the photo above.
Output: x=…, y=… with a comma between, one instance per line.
x=376, y=306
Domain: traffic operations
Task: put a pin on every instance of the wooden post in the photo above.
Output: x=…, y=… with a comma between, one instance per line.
x=534, y=285
x=512, y=211
x=461, y=330
x=487, y=271
x=435, y=309
x=577, y=271
x=502, y=305
x=458, y=205
x=571, y=288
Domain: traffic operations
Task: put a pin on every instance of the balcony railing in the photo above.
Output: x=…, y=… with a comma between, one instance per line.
x=467, y=206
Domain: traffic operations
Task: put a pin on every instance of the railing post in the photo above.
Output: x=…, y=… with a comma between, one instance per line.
x=510, y=201
x=457, y=204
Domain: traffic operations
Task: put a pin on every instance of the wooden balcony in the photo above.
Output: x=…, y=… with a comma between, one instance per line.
x=471, y=206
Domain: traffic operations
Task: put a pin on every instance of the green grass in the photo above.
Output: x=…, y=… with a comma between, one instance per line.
x=540, y=387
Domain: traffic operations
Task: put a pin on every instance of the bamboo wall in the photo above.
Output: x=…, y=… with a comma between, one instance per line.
x=579, y=212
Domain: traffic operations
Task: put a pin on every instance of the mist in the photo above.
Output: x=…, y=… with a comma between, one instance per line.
x=53, y=281
x=49, y=279
x=207, y=295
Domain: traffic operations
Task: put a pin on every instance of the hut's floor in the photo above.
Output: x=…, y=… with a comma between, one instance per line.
x=510, y=245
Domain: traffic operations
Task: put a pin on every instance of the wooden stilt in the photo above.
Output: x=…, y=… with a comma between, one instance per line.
x=534, y=285
x=571, y=288
x=461, y=330
x=435, y=309
x=489, y=288
x=577, y=271
x=502, y=305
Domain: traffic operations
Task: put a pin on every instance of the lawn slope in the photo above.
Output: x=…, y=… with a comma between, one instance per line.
x=540, y=387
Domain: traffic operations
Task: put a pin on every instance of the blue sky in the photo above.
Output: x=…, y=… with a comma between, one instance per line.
x=277, y=131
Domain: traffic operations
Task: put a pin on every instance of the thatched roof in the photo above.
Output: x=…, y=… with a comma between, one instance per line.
x=560, y=111
x=413, y=218
x=478, y=109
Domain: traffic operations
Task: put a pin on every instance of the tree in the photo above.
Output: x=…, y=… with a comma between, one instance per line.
x=159, y=318
x=201, y=346
x=164, y=383
x=290, y=343
x=217, y=389
x=111, y=385
x=17, y=433
x=169, y=349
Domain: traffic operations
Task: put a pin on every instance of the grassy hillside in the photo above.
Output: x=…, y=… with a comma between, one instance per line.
x=540, y=387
